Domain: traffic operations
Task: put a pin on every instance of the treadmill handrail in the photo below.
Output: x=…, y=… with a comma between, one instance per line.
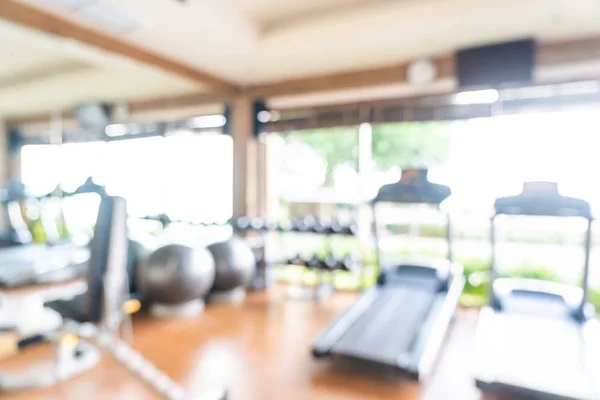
x=377, y=234
x=532, y=207
x=536, y=205
x=570, y=294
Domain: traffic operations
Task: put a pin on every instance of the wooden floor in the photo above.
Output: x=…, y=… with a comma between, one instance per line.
x=260, y=350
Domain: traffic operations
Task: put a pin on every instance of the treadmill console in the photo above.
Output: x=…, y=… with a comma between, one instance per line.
x=413, y=187
x=543, y=199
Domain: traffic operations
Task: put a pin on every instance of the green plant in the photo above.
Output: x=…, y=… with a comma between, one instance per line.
x=412, y=144
x=594, y=297
x=476, y=272
x=420, y=252
x=532, y=271
x=433, y=231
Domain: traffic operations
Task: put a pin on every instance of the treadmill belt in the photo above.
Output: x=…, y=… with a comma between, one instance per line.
x=389, y=327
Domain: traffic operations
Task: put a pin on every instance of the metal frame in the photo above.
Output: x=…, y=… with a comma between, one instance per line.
x=108, y=324
x=377, y=233
x=486, y=379
x=439, y=327
x=427, y=342
x=586, y=267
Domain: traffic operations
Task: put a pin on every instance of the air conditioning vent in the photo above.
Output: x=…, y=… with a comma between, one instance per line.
x=107, y=15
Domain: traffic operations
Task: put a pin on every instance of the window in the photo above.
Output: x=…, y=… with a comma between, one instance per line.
x=408, y=145
x=136, y=169
x=44, y=167
x=318, y=161
x=40, y=169
x=187, y=175
x=89, y=159
x=199, y=185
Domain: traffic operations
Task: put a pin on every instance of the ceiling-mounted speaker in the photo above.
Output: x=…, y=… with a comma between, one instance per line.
x=496, y=64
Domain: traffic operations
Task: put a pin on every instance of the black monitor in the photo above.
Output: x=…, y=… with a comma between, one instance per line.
x=496, y=64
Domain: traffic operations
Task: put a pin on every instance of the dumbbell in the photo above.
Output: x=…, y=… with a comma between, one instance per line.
x=337, y=228
x=241, y=223
x=330, y=262
x=348, y=263
x=334, y=228
x=245, y=224
x=351, y=229
x=314, y=262
x=270, y=226
x=284, y=226
x=257, y=224
x=296, y=260
x=303, y=224
x=320, y=227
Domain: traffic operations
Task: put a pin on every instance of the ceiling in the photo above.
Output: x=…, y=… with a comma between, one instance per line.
x=250, y=42
x=258, y=41
x=41, y=74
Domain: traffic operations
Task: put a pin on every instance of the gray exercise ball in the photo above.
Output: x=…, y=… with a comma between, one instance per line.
x=235, y=263
x=176, y=274
x=137, y=254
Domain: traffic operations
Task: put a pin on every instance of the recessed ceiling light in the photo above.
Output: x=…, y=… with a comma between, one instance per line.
x=207, y=121
x=485, y=96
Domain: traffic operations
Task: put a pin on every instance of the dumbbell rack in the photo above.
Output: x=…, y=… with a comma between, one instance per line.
x=307, y=225
x=265, y=260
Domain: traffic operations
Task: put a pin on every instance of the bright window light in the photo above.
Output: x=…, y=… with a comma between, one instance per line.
x=486, y=96
x=207, y=121
x=365, y=128
x=115, y=130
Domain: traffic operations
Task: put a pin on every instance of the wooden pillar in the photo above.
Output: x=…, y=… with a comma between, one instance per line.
x=365, y=173
x=272, y=157
x=6, y=160
x=261, y=177
x=245, y=166
x=6, y=166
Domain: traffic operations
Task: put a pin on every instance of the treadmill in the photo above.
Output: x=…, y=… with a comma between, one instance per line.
x=539, y=339
x=398, y=326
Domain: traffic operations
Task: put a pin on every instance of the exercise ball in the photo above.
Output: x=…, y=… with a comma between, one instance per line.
x=175, y=274
x=138, y=251
x=234, y=263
